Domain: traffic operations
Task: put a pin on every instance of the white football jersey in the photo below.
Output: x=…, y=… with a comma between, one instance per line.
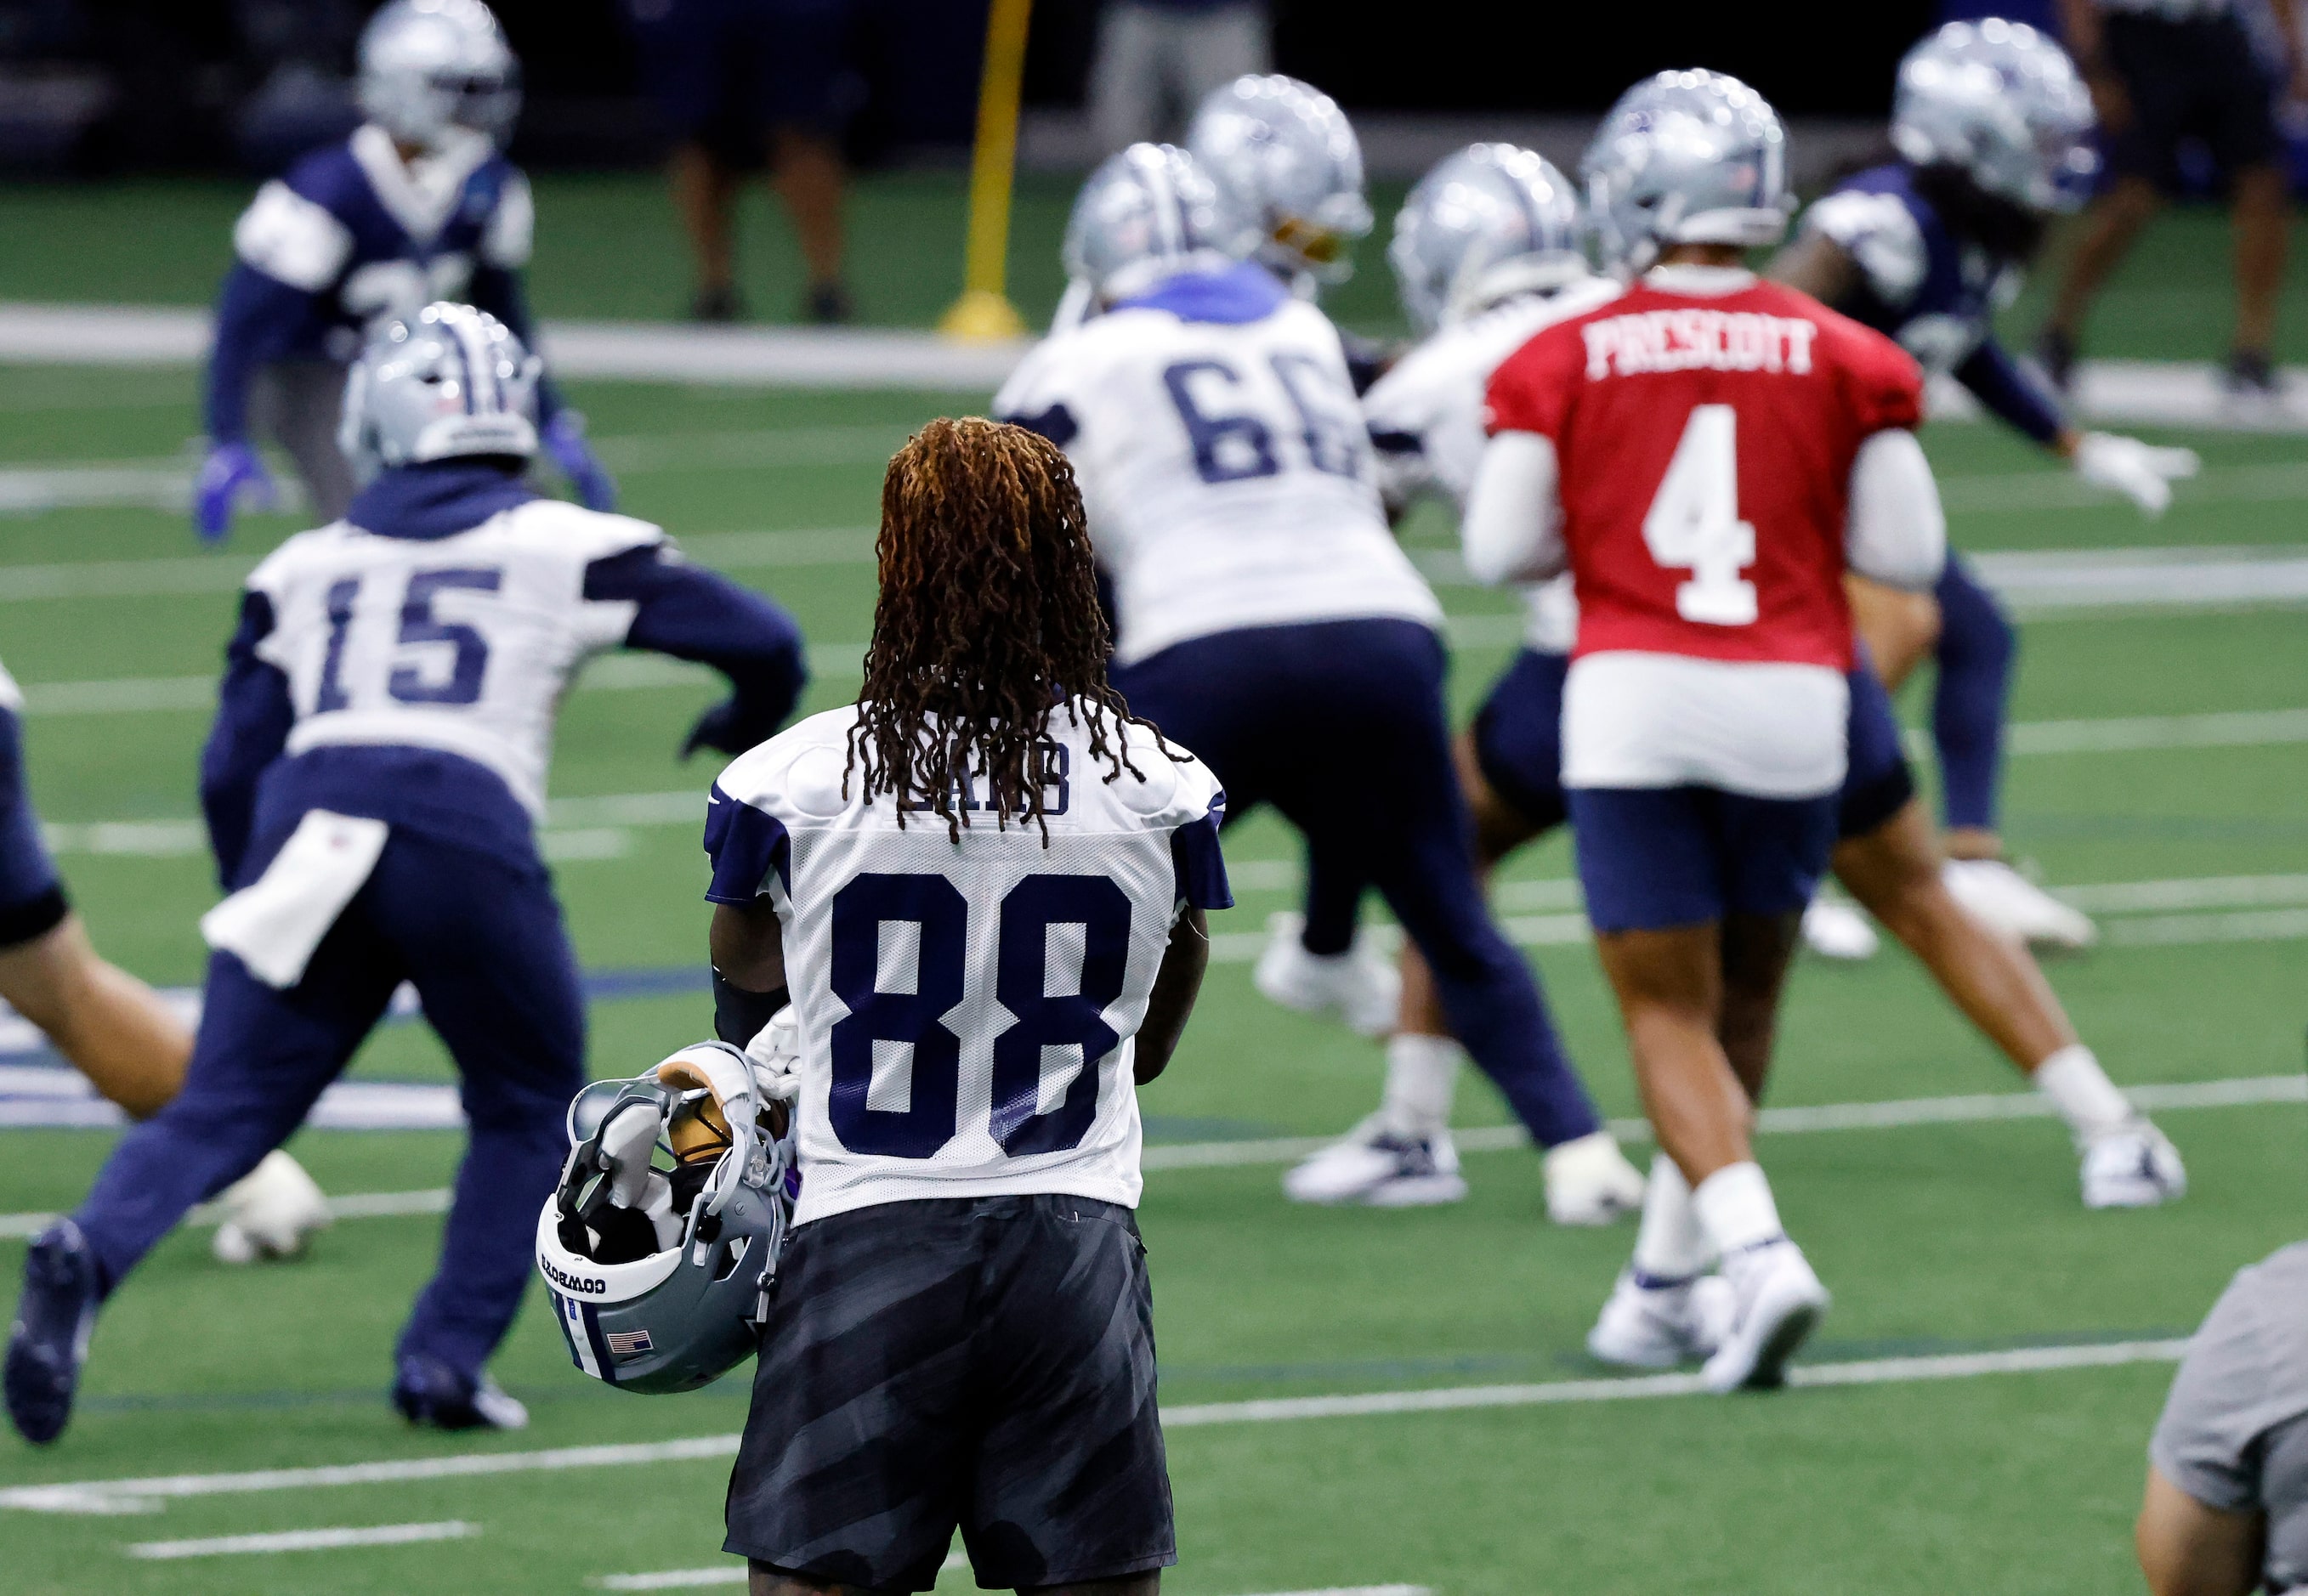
x=12, y=697
x=1427, y=413
x=464, y=644
x=967, y=1010
x=1226, y=473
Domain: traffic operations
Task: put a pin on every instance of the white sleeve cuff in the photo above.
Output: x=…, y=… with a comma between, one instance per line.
x=1512, y=529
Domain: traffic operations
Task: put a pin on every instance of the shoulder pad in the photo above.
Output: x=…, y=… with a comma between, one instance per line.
x=1882, y=237
x=292, y=239
x=584, y=534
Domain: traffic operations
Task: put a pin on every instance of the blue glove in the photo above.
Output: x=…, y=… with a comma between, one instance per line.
x=564, y=441
x=727, y=728
x=230, y=471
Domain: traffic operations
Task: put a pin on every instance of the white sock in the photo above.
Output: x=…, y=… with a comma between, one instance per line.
x=1422, y=1078
x=2080, y=1090
x=1670, y=1244
x=1734, y=1207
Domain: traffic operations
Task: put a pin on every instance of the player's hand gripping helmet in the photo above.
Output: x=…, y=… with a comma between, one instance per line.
x=660, y=1246
x=2002, y=103
x=431, y=67
x=449, y=382
x=1488, y=223
x=1685, y=158
x=1285, y=157
x=1147, y=212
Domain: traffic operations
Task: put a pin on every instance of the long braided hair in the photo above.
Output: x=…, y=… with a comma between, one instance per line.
x=988, y=620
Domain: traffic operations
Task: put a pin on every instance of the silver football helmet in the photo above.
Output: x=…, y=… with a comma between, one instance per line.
x=1488, y=223
x=1689, y=157
x=431, y=67
x=660, y=1243
x=1285, y=157
x=1145, y=213
x=2004, y=103
x=449, y=382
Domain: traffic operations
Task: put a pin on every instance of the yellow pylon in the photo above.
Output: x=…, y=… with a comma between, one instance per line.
x=984, y=313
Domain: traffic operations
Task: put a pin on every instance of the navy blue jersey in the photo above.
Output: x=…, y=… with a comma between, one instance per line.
x=354, y=237
x=1935, y=291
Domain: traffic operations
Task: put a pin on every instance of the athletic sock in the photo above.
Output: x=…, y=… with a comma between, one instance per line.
x=1422, y=1078
x=1671, y=1245
x=2080, y=1090
x=1734, y=1207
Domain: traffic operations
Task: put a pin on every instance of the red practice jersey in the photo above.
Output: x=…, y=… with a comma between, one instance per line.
x=1705, y=443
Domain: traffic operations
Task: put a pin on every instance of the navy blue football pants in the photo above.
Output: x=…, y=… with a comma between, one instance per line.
x=1340, y=725
x=481, y=939
x=1976, y=650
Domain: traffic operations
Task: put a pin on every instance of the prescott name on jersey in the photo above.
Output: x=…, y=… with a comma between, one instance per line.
x=1223, y=460
x=967, y=1010
x=1935, y=291
x=354, y=237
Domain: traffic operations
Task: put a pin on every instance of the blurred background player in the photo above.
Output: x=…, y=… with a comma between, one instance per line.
x=418, y=204
x=1705, y=454
x=371, y=786
x=111, y=1026
x=1267, y=617
x=2164, y=73
x=1484, y=254
x=980, y=1246
x=1158, y=61
x=725, y=72
x=1993, y=132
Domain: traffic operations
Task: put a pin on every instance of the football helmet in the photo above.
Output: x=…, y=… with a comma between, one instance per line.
x=1689, y=157
x=449, y=380
x=1490, y=222
x=1285, y=157
x=1145, y=213
x=2003, y=104
x=660, y=1271
x=429, y=68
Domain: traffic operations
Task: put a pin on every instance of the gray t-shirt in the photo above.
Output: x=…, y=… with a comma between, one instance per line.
x=2234, y=1431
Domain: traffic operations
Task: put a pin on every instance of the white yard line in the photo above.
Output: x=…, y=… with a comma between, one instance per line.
x=1899, y=1114
x=692, y=1579
x=295, y=1541
x=146, y=1495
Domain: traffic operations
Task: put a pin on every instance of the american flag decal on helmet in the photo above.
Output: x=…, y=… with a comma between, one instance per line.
x=625, y=1343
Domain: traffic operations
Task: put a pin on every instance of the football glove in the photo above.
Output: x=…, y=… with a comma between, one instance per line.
x=230, y=473
x=564, y=441
x=727, y=727
x=775, y=1054
x=2142, y=473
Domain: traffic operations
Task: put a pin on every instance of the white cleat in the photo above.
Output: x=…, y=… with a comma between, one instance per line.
x=2136, y=1167
x=1379, y=1169
x=1651, y=1325
x=2009, y=903
x=1838, y=931
x=1358, y=986
x=269, y=1212
x=1779, y=1301
x=1590, y=1182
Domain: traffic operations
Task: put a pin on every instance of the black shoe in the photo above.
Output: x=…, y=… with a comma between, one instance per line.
x=723, y=303
x=2249, y=375
x=431, y=1395
x=2055, y=352
x=48, y=1341
x=829, y=306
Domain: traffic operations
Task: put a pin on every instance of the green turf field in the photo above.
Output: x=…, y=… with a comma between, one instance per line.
x=1940, y=1241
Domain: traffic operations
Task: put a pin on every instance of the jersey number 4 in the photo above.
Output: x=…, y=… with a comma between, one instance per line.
x=1693, y=522
x=899, y=1003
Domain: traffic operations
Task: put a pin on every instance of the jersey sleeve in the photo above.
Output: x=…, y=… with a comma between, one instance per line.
x=2234, y=1386
x=747, y=846
x=292, y=239
x=1531, y=391
x=1195, y=857
x=1881, y=235
x=1035, y=396
x=1884, y=384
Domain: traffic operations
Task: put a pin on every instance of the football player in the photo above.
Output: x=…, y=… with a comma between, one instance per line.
x=1267, y=616
x=983, y=890
x=111, y=1026
x=1993, y=127
x=418, y=204
x=371, y=787
x=1706, y=453
x=1468, y=256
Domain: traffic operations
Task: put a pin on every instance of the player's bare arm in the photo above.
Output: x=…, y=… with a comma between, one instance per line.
x=1818, y=266
x=2187, y=1549
x=1175, y=985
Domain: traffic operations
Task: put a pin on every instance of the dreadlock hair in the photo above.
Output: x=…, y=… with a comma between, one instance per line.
x=988, y=620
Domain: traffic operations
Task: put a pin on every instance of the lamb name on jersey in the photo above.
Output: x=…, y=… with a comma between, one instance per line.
x=464, y=643
x=1425, y=419
x=1223, y=460
x=967, y=1010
